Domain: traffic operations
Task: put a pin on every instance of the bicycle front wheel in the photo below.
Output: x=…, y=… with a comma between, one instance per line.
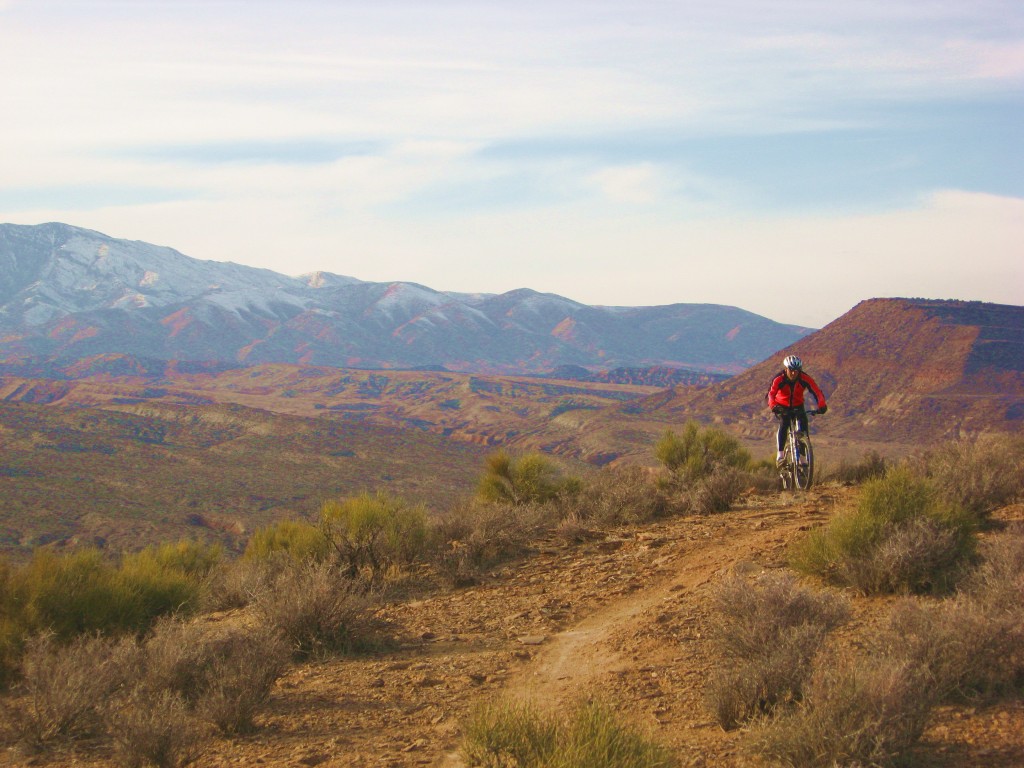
x=803, y=472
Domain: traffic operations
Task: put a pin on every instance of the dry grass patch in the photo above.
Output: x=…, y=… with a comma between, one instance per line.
x=590, y=736
x=855, y=713
x=769, y=629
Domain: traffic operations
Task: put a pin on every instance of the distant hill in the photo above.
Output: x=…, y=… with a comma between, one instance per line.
x=654, y=376
x=70, y=293
x=893, y=370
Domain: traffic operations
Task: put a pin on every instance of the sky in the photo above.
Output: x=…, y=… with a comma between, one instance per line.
x=791, y=157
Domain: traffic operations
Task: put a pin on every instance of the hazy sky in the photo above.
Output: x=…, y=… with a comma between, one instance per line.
x=789, y=157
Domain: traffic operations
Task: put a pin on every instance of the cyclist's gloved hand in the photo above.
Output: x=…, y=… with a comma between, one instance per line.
x=822, y=408
x=778, y=410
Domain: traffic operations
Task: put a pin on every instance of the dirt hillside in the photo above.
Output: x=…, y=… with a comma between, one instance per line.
x=622, y=617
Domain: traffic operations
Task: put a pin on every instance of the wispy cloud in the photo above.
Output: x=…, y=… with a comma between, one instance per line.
x=406, y=140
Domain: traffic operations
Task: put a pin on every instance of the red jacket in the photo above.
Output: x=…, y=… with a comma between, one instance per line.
x=791, y=393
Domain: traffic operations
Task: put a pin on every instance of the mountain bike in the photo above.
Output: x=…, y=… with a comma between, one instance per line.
x=797, y=467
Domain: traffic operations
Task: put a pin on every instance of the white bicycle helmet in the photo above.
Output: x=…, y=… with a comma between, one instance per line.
x=792, y=362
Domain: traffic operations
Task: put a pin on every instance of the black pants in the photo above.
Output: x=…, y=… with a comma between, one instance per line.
x=800, y=414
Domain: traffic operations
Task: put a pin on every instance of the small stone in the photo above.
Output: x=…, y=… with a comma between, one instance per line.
x=532, y=639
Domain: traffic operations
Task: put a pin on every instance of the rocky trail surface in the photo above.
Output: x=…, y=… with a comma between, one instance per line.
x=622, y=617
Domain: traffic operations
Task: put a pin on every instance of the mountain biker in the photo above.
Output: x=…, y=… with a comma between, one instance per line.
x=786, y=392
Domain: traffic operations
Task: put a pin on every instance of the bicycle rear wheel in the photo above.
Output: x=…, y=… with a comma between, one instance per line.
x=803, y=470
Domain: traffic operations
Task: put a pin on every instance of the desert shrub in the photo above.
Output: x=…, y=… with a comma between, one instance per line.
x=715, y=492
x=160, y=584
x=247, y=663
x=979, y=474
x=854, y=472
x=192, y=558
x=616, y=496
x=998, y=580
x=902, y=537
x=965, y=649
x=475, y=537
x=156, y=729
x=64, y=687
x=300, y=540
x=178, y=656
x=375, y=531
x=697, y=452
x=224, y=676
x=234, y=584
x=590, y=736
x=74, y=594
x=769, y=630
x=318, y=610
x=855, y=712
x=529, y=479
x=972, y=645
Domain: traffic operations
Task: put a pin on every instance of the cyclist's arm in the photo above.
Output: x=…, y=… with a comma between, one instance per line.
x=776, y=385
x=818, y=395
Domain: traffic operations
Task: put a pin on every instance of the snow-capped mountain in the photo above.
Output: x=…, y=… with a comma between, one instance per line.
x=67, y=292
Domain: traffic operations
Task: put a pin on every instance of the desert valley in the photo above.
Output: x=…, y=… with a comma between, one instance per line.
x=147, y=399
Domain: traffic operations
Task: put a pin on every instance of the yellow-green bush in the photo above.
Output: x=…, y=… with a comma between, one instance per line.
x=72, y=594
x=697, y=452
x=83, y=592
x=300, y=540
x=529, y=479
x=375, y=531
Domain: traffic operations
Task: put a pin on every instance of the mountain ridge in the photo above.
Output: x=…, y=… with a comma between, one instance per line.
x=72, y=292
x=894, y=370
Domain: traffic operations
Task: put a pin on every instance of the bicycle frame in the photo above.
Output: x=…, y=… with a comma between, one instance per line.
x=797, y=467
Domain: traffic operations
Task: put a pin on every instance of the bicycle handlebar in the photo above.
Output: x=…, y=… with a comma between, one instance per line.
x=791, y=411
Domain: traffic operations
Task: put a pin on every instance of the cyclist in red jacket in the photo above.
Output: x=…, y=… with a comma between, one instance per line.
x=787, y=392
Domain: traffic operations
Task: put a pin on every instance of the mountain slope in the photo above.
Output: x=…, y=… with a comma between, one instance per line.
x=67, y=292
x=901, y=370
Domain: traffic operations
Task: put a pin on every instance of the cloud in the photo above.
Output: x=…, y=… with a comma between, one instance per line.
x=613, y=154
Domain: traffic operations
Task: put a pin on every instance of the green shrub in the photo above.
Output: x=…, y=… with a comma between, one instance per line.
x=300, y=540
x=591, y=736
x=902, y=537
x=529, y=479
x=768, y=629
x=375, y=531
x=74, y=594
x=159, y=587
x=698, y=452
x=596, y=737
